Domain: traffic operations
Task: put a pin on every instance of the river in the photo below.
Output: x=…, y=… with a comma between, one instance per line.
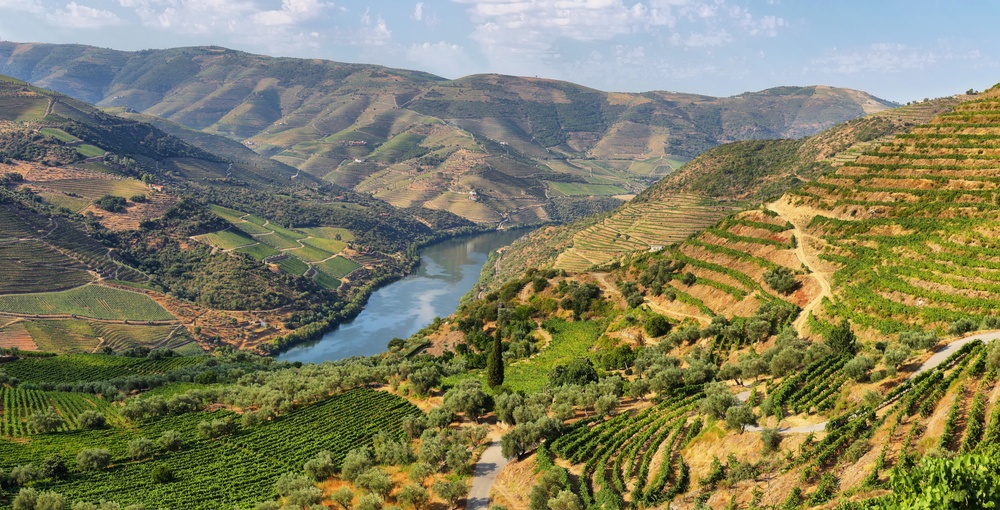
x=447, y=271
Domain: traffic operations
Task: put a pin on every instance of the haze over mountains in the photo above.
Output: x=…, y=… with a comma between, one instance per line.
x=521, y=145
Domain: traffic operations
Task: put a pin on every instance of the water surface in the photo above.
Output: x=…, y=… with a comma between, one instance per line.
x=447, y=271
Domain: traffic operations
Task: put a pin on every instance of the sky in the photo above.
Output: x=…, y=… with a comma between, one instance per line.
x=897, y=50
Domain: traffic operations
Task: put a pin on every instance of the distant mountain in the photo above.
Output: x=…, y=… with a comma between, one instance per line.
x=489, y=148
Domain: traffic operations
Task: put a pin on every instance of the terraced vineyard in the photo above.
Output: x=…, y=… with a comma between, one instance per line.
x=73, y=368
x=617, y=455
x=911, y=225
x=295, y=251
x=239, y=469
x=636, y=227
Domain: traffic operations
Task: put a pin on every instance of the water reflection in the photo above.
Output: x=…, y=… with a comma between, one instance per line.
x=447, y=271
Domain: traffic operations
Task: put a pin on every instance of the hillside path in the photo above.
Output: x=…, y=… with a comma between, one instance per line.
x=932, y=362
x=490, y=464
x=783, y=209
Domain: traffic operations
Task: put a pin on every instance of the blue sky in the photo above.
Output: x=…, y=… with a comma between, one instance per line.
x=898, y=50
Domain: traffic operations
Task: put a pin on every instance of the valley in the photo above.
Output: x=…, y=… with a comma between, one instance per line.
x=794, y=308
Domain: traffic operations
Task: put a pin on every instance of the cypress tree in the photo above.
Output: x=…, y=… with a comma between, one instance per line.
x=494, y=363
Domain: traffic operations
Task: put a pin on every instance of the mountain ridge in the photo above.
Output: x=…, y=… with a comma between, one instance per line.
x=415, y=139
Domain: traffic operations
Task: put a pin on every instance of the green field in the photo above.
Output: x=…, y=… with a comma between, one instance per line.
x=569, y=340
x=90, y=151
x=305, y=247
x=338, y=267
x=293, y=265
x=258, y=251
x=226, y=239
x=95, y=188
x=58, y=134
x=92, y=301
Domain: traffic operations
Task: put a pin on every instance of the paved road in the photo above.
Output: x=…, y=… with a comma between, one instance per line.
x=950, y=349
x=489, y=466
x=932, y=362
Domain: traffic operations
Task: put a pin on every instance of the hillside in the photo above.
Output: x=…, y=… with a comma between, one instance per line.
x=808, y=352
x=116, y=235
x=816, y=351
x=713, y=185
x=489, y=148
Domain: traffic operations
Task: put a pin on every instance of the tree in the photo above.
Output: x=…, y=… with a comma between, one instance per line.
x=93, y=459
x=718, y=399
x=140, y=448
x=91, y=419
x=781, y=279
x=321, y=466
x=356, y=462
x=752, y=366
x=45, y=421
x=565, y=500
x=343, y=497
x=770, y=438
x=50, y=500
x=504, y=405
x=54, y=468
x=111, y=203
x=422, y=380
x=375, y=481
x=841, y=339
x=656, y=325
x=162, y=474
x=26, y=499
x=171, y=441
x=494, y=363
x=739, y=416
x=369, y=502
x=579, y=371
x=605, y=404
x=414, y=496
x=468, y=398
x=638, y=388
x=451, y=490
x=689, y=278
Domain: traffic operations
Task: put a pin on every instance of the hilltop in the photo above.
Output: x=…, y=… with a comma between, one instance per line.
x=489, y=148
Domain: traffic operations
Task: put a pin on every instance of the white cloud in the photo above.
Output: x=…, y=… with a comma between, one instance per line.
x=879, y=57
x=75, y=15
x=291, y=12
x=418, y=11
x=371, y=33
x=510, y=31
x=34, y=6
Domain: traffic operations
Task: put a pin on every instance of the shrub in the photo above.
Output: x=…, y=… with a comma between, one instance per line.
x=771, y=439
x=162, y=474
x=111, y=203
x=91, y=420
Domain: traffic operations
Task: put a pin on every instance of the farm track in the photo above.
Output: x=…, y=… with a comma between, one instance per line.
x=782, y=208
x=490, y=464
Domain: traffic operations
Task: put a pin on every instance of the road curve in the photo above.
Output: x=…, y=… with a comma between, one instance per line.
x=936, y=359
x=490, y=464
